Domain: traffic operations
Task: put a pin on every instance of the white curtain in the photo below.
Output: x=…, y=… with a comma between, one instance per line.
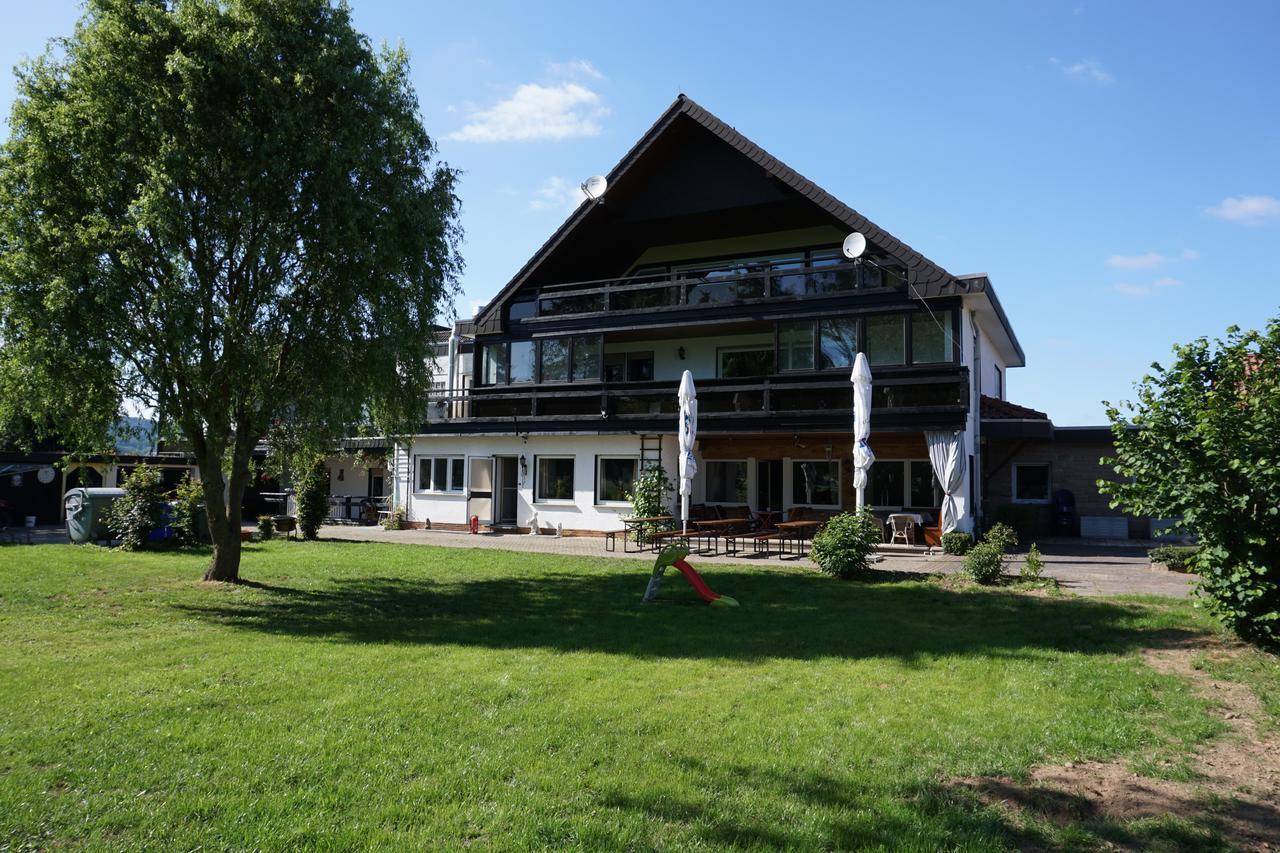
x=946, y=455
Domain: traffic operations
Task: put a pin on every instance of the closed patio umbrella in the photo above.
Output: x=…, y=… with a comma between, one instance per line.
x=688, y=431
x=862, y=455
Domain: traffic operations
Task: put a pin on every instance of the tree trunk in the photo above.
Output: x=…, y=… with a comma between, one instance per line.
x=225, y=565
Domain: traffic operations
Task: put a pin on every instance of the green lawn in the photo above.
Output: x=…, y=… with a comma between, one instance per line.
x=395, y=695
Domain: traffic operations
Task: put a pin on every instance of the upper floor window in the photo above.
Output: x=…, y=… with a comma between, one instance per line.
x=521, y=369
x=522, y=310
x=838, y=342
x=493, y=363
x=575, y=359
x=932, y=337
x=795, y=345
x=743, y=361
x=886, y=341
x=628, y=366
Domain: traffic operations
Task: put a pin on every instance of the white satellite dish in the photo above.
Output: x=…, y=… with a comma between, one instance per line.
x=854, y=245
x=46, y=475
x=594, y=187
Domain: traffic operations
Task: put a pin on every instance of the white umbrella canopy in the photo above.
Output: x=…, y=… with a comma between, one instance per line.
x=862, y=455
x=687, y=432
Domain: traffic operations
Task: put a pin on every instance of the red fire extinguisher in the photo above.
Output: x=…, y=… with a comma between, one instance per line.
x=475, y=524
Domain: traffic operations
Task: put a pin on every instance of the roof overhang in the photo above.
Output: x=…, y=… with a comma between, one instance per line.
x=980, y=298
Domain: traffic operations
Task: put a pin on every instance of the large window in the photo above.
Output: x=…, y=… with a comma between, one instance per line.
x=886, y=339
x=521, y=369
x=569, y=359
x=614, y=478
x=553, y=476
x=494, y=364
x=628, y=366
x=1031, y=483
x=897, y=483
x=795, y=346
x=726, y=482
x=932, y=338
x=838, y=342
x=440, y=474
x=740, y=362
x=815, y=483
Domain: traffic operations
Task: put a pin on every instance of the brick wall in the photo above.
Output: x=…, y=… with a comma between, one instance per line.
x=1074, y=466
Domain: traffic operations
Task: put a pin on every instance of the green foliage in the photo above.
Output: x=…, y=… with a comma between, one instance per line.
x=229, y=211
x=140, y=511
x=266, y=526
x=394, y=521
x=984, y=562
x=1033, y=565
x=1002, y=536
x=650, y=493
x=1023, y=518
x=956, y=542
x=1199, y=443
x=1175, y=558
x=844, y=544
x=311, y=492
x=189, y=522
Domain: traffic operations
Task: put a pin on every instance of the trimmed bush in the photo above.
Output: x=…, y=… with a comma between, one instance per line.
x=140, y=511
x=311, y=492
x=266, y=527
x=189, y=521
x=957, y=543
x=394, y=521
x=844, y=544
x=984, y=562
x=1033, y=565
x=1175, y=558
x=1001, y=536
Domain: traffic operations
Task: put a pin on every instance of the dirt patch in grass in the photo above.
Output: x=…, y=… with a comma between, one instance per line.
x=1234, y=791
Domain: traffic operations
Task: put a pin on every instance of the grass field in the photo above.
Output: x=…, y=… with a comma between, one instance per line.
x=394, y=695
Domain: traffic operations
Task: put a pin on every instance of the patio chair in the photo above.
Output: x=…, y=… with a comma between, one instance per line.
x=902, y=527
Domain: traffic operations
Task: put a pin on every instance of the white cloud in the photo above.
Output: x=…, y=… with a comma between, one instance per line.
x=1149, y=260
x=1167, y=282
x=1089, y=70
x=1247, y=209
x=556, y=194
x=575, y=68
x=1141, y=291
x=536, y=112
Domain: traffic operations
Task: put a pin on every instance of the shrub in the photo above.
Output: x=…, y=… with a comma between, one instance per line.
x=266, y=526
x=311, y=491
x=649, y=495
x=957, y=542
x=189, y=521
x=844, y=544
x=1033, y=565
x=394, y=521
x=1002, y=536
x=1175, y=558
x=984, y=562
x=140, y=511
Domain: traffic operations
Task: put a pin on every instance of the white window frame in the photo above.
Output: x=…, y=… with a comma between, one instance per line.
x=706, y=465
x=451, y=488
x=1048, y=483
x=600, y=476
x=905, y=464
x=839, y=482
x=537, y=480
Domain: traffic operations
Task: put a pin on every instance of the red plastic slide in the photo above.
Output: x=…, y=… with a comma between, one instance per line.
x=700, y=586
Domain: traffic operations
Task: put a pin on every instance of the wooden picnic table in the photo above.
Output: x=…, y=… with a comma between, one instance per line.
x=768, y=518
x=632, y=529
x=796, y=530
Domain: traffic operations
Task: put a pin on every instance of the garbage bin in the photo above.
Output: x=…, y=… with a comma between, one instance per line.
x=87, y=511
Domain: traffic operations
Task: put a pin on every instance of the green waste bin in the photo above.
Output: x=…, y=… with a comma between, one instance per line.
x=87, y=513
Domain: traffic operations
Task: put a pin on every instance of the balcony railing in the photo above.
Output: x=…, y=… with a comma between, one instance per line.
x=942, y=390
x=691, y=289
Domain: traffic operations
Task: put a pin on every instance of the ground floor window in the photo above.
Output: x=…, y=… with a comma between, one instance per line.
x=897, y=483
x=726, y=481
x=615, y=476
x=440, y=474
x=553, y=478
x=815, y=483
x=1031, y=483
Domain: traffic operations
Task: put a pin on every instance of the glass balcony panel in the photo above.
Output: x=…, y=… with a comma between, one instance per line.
x=658, y=296
x=571, y=303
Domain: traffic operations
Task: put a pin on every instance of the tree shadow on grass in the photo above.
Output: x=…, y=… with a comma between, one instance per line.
x=782, y=616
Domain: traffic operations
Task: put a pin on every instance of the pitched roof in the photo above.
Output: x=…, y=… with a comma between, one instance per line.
x=993, y=409
x=928, y=278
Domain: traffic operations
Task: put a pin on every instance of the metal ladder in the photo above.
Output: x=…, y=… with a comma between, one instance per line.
x=650, y=451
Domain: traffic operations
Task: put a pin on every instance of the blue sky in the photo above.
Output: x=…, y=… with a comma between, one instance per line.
x=1114, y=167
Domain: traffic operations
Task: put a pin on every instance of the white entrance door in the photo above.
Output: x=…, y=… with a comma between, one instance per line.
x=480, y=488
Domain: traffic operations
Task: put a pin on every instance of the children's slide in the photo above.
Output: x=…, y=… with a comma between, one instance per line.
x=673, y=555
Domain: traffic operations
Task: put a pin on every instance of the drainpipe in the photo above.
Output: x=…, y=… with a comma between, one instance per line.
x=450, y=382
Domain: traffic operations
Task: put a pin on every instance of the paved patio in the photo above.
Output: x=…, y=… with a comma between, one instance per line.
x=1080, y=569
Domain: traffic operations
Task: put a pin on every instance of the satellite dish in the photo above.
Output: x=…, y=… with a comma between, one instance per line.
x=46, y=475
x=854, y=245
x=594, y=187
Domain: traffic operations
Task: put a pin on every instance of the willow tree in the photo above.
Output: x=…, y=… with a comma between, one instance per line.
x=228, y=211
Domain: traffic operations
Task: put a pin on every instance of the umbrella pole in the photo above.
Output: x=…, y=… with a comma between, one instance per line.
x=862, y=498
x=684, y=512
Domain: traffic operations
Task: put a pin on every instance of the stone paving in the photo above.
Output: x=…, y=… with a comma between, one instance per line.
x=1080, y=569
